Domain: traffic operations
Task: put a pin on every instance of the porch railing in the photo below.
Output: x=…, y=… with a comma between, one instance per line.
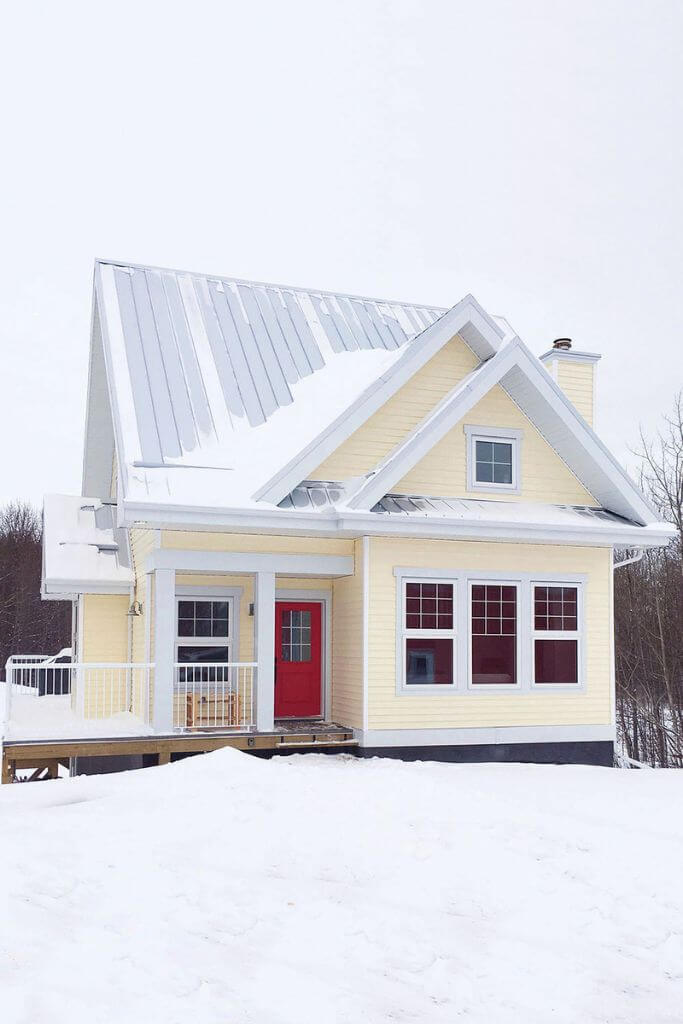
x=214, y=696
x=43, y=694
x=85, y=690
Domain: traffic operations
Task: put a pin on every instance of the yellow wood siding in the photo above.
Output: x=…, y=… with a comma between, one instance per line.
x=577, y=380
x=347, y=646
x=142, y=542
x=104, y=627
x=104, y=632
x=544, y=476
x=389, y=710
x=188, y=540
x=389, y=425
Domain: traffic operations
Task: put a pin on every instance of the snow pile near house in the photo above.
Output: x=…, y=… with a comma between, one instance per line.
x=225, y=888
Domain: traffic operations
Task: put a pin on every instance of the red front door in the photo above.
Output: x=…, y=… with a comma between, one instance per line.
x=298, y=659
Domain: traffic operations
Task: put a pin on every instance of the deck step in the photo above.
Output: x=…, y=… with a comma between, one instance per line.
x=319, y=742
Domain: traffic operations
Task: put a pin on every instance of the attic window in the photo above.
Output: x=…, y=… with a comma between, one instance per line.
x=493, y=459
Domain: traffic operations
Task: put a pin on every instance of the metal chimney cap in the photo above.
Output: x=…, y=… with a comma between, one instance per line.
x=563, y=343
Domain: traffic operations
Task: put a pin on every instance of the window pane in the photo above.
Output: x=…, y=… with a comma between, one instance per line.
x=556, y=661
x=186, y=609
x=555, y=608
x=186, y=627
x=493, y=659
x=429, y=661
x=484, y=472
x=484, y=451
x=429, y=606
x=494, y=640
x=502, y=474
x=502, y=453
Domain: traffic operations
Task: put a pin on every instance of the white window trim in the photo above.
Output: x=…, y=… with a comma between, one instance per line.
x=503, y=435
x=230, y=594
x=403, y=634
x=497, y=687
x=560, y=634
x=462, y=580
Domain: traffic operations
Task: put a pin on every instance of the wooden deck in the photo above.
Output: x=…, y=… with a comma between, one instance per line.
x=44, y=756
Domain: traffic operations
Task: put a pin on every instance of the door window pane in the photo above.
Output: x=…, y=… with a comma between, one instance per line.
x=494, y=634
x=295, y=636
x=429, y=660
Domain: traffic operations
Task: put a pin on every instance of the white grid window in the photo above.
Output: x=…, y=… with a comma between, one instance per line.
x=493, y=626
x=204, y=630
x=428, y=633
x=555, y=634
x=493, y=459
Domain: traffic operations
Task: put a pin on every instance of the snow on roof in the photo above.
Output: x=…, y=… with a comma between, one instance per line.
x=82, y=547
x=229, y=379
x=321, y=495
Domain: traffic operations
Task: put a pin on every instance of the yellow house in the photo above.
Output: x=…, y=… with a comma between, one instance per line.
x=301, y=507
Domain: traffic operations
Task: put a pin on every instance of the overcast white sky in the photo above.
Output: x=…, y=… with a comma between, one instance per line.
x=528, y=152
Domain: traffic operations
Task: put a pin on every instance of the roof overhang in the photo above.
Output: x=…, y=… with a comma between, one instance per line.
x=84, y=551
x=345, y=522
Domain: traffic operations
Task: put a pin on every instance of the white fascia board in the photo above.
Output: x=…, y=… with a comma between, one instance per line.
x=352, y=523
x=584, y=435
x=71, y=588
x=467, y=318
x=433, y=428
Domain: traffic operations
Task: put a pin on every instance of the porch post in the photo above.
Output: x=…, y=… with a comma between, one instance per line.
x=164, y=645
x=264, y=627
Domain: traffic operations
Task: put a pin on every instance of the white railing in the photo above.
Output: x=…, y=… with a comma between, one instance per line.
x=214, y=696
x=64, y=690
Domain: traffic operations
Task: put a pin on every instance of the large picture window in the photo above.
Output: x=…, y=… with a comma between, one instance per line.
x=494, y=634
x=556, y=634
x=428, y=633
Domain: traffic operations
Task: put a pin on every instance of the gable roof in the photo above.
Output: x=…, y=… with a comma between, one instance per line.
x=225, y=379
x=532, y=388
x=223, y=395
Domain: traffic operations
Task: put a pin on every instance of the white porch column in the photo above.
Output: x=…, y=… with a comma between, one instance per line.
x=264, y=628
x=164, y=646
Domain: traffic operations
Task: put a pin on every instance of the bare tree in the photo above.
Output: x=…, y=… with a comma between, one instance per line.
x=648, y=601
x=27, y=623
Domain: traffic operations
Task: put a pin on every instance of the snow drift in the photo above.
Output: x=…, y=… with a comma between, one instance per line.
x=329, y=889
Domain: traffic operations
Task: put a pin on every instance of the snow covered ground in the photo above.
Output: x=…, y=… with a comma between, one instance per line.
x=315, y=889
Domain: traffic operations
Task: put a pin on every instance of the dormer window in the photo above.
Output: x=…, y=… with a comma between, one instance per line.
x=493, y=459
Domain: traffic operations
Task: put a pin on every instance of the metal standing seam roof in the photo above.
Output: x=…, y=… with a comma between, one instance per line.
x=323, y=495
x=191, y=338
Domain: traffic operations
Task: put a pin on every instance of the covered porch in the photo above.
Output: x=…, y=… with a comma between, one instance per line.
x=222, y=642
